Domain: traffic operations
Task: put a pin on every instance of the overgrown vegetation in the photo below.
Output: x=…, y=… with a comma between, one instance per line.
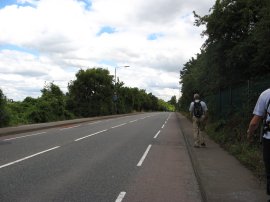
x=233, y=140
x=92, y=93
x=234, y=56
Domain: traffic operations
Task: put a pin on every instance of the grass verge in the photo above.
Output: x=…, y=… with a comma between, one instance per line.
x=231, y=139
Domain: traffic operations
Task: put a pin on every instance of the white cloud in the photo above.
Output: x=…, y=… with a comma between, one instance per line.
x=64, y=34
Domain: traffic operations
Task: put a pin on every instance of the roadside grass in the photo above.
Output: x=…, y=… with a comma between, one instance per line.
x=234, y=141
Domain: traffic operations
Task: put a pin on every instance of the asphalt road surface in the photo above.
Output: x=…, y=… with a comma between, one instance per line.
x=135, y=158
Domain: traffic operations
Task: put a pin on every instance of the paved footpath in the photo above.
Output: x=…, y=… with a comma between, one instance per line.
x=222, y=176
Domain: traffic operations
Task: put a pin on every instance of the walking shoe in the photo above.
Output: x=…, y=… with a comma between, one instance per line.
x=196, y=146
x=203, y=145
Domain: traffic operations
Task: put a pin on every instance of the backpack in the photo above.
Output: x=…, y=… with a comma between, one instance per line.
x=198, y=110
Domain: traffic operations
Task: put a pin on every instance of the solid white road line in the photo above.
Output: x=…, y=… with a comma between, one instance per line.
x=70, y=127
x=119, y=125
x=144, y=155
x=93, y=123
x=156, y=134
x=28, y=157
x=90, y=135
x=14, y=138
x=120, y=197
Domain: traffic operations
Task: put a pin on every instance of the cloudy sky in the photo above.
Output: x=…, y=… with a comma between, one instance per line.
x=50, y=40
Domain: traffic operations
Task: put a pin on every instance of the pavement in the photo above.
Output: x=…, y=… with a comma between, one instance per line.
x=220, y=175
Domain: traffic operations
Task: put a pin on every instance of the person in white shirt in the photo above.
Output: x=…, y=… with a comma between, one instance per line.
x=198, y=112
x=262, y=112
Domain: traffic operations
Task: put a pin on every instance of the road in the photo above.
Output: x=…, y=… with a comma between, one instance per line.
x=141, y=157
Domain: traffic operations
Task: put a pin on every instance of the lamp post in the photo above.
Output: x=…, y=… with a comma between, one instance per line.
x=115, y=73
x=115, y=97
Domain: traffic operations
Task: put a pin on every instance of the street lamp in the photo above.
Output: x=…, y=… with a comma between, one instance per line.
x=115, y=73
x=115, y=89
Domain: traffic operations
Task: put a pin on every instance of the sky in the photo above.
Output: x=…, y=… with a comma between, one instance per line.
x=44, y=41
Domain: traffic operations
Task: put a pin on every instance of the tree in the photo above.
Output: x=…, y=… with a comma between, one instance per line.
x=53, y=95
x=173, y=101
x=4, y=116
x=154, y=102
x=261, y=61
x=49, y=107
x=236, y=49
x=230, y=29
x=91, y=94
x=165, y=106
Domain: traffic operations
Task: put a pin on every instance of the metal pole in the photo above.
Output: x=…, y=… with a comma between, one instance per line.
x=115, y=92
x=115, y=88
x=115, y=76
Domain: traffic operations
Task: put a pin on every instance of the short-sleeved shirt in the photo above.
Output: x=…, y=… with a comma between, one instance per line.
x=260, y=108
x=204, y=107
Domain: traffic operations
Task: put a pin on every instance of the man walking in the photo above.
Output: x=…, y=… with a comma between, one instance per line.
x=262, y=112
x=198, y=112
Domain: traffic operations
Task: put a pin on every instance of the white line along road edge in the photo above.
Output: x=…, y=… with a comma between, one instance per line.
x=14, y=138
x=28, y=157
x=144, y=155
x=76, y=126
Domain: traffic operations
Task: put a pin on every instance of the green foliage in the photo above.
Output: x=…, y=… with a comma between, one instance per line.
x=17, y=113
x=261, y=38
x=165, y=106
x=4, y=115
x=49, y=107
x=133, y=99
x=235, y=53
x=249, y=154
x=236, y=33
x=236, y=50
x=173, y=101
x=91, y=93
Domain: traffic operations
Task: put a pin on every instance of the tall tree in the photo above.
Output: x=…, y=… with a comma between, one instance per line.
x=173, y=101
x=237, y=48
x=261, y=61
x=91, y=93
x=49, y=107
x=4, y=116
x=230, y=31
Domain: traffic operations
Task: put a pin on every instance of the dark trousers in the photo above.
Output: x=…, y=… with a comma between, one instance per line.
x=266, y=158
